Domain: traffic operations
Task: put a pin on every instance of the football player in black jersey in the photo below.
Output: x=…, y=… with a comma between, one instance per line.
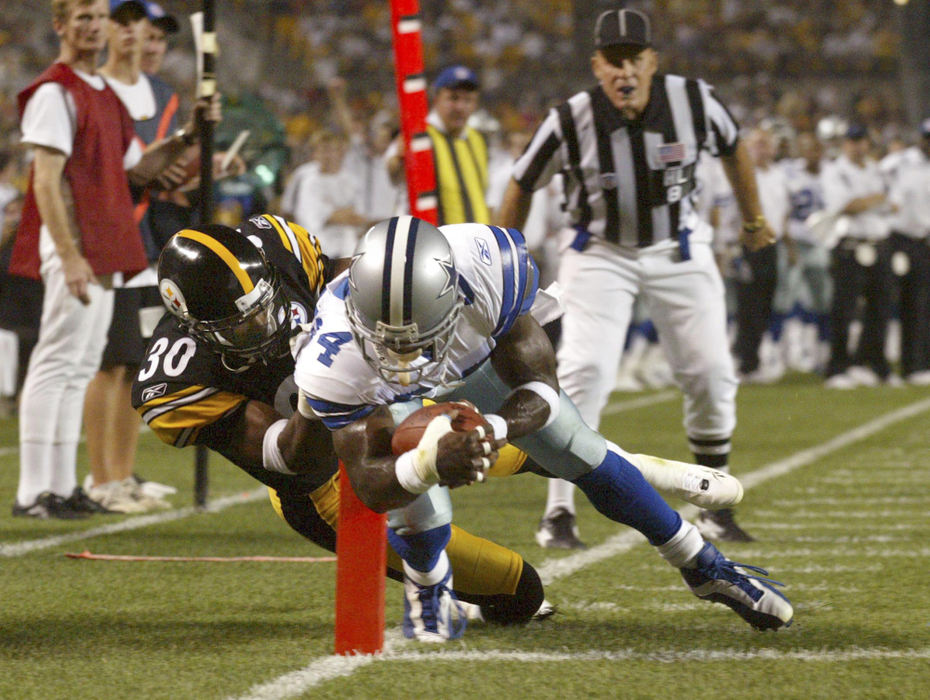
x=218, y=372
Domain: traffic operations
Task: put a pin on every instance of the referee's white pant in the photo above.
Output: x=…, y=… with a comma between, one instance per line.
x=685, y=300
x=72, y=337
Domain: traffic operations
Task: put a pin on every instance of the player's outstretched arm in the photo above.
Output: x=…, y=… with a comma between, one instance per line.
x=383, y=481
x=304, y=446
x=525, y=360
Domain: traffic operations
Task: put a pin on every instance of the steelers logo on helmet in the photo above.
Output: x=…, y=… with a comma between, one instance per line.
x=172, y=297
x=404, y=300
x=231, y=294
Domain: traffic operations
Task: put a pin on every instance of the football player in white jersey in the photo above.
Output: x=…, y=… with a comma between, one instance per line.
x=450, y=313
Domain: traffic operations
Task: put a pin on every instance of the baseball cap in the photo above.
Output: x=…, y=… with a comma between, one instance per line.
x=622, y=28
x=924, y=128
x=856, y=132
x=161, y=19
x=457, y=77
x=141, y=5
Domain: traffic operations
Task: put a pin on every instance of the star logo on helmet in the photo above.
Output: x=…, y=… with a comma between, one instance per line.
x=451, y=276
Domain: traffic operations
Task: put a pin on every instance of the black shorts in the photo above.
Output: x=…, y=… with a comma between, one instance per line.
x=125, y=340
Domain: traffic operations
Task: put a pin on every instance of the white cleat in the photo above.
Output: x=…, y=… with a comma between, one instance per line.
x=703, y=486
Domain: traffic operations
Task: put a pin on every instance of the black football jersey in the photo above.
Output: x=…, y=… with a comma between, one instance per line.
x=182, y=386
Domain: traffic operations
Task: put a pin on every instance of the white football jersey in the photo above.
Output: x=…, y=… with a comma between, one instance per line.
x=498, y=281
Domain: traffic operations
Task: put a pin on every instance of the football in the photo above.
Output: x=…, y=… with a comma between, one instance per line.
x=407, y=435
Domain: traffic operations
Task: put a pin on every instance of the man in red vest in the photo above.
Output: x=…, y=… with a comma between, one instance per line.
x=78, y=235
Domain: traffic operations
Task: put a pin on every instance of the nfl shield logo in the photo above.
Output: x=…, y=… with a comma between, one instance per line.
x=608, y=181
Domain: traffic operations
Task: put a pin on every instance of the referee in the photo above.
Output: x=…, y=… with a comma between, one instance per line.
x=628, y=147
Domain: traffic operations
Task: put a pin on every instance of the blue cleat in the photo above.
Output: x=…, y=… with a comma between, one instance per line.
x=432, y=613
x=753, y=598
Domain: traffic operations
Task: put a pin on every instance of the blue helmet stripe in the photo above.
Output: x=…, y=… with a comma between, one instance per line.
x=408, y=271
x=386, y=271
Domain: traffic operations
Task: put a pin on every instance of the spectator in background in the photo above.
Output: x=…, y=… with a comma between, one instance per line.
x=460, y=152
x=325, y=195
x=111, y=423
x=77, y=231
x=757, y=271
x=910, y=245
x=860, y=264
x=377, y=197
x=808, y=289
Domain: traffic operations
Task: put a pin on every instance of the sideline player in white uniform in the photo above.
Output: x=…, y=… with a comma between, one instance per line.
x=629, y=147
x=445, y=313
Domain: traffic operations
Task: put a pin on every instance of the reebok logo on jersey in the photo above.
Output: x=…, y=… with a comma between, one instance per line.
x=484, y=251
x=153, y=392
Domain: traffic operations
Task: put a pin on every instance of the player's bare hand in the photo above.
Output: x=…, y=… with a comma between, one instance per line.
x=78, y=276
x=465, y=457
x=758, y=238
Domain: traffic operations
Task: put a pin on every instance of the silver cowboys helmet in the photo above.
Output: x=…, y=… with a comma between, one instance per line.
x=404, y=299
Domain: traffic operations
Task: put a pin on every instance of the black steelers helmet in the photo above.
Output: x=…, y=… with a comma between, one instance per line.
x=225, y=292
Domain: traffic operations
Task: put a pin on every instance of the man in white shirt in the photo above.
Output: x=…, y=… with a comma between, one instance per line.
x=325, y=195
x=910, y=242
x=854, y=191
x=78, y=233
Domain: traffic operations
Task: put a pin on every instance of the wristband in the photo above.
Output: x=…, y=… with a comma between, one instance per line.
x=498, y=424
x=272, y=459
x=756, y=224
x=416, y=469
x=547, y=394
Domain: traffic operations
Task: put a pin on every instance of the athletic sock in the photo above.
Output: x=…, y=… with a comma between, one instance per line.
x=618, y=490
x=561, y=495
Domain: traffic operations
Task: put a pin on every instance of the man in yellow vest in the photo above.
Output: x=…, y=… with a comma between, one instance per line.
x=460, y=152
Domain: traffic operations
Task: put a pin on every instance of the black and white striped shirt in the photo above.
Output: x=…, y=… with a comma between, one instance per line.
x=630, y=182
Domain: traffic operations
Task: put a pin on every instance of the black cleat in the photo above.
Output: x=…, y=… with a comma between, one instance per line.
x=49, y=505
x=558, y=531
x=719, y=525
x=81, y=502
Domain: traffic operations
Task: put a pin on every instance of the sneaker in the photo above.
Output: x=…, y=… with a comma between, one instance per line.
x=80, y=501
x=153, y=488
x=864, y=376
x=921, y=378
x=753, y=598
x=719, y=525
x=558, y=531
x=432, y=613
x=841, y=381
x=546, y=610
x=49, y=505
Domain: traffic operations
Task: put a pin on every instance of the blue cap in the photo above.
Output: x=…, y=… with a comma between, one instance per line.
x=142, y=5
x=457, y=77
x=856, y=132
x=161, y=19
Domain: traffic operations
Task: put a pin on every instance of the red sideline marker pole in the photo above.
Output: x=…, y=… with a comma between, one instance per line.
x=361, y=545
x=411, y=97
x=361, y=559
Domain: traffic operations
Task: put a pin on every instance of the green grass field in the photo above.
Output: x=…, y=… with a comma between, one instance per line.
x=837, y=494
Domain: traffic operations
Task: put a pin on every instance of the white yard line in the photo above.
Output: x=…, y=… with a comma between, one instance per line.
x=329, y=667
x=17, y=549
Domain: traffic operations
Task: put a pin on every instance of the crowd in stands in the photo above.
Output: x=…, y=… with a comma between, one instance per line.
x=786, y=64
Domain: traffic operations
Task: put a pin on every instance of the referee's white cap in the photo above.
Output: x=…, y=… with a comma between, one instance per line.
x=622, y=28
